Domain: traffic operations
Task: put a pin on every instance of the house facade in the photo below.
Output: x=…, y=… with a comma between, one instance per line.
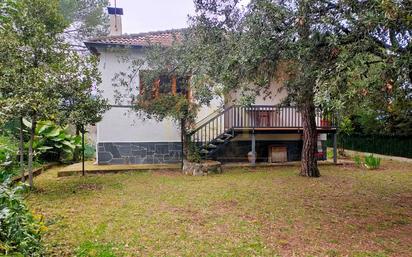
x=224, y=131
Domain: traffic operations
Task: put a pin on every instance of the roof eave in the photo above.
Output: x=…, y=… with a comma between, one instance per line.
x=92, y=46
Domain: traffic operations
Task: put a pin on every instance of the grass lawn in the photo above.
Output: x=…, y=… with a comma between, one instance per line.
x=263, y=212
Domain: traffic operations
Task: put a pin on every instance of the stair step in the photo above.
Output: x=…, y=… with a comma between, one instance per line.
x=204, y=151
x=219, y=140
x=212, y=146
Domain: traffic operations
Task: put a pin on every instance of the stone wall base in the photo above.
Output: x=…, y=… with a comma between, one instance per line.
x=201, y=169
x=139, y=153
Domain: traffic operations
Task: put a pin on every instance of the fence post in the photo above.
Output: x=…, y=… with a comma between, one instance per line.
x=253, y=149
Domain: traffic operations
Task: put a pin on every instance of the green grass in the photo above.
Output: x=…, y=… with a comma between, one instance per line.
x=349, y=211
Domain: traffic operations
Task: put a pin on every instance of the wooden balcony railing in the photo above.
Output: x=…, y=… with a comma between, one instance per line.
x=264, y=116
x=256, y=117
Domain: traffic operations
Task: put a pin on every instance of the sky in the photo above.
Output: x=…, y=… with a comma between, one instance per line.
x=151, y=15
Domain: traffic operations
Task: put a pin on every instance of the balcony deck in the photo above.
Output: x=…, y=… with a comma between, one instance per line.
x=261, y=118
x=273, y=118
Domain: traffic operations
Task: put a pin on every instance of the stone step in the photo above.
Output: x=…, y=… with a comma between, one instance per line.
x=204, y=151
x=219, y=140
x=212, y=146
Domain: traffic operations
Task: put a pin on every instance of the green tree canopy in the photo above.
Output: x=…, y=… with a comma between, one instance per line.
x=86, y=19
x=42, y=78
x=324, y=43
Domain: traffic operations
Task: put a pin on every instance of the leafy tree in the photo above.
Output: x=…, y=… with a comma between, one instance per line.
x=35, y=51
x=83, y=103
x=7, y=7
x=373, y=78
x=42, y=78
x=87, y=19
x=318, y=41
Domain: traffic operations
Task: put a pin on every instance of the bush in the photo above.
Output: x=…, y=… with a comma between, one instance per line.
x=194, y=153
x=372, y=162
x=53, y=142
x=89, y=152
x=8, y=151
x=20, y=230
x=8, y=155
x=357, y=160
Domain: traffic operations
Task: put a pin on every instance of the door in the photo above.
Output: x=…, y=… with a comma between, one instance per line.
x=278, y=154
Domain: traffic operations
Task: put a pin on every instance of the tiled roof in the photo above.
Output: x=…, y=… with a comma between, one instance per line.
x=164, y=38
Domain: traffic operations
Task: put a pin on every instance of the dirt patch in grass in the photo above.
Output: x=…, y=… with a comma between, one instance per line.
x=90, y=187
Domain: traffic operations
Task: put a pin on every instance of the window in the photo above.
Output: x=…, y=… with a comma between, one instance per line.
x=165, y=85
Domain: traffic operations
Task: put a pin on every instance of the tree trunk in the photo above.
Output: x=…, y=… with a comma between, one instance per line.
x=76, y=152
x=309, y=164
x=185, y=142
x=30, y=161
x=21, y=149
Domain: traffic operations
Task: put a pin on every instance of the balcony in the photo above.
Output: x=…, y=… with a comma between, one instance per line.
x=263, y=118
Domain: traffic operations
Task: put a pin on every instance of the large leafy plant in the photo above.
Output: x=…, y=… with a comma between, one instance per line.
x=53, y=142
x=8, y=152
x=20, y=230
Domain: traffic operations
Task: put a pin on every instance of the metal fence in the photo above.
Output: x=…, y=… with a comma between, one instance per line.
x=379, y=144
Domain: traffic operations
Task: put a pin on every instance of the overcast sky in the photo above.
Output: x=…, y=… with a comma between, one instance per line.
x=151, y=15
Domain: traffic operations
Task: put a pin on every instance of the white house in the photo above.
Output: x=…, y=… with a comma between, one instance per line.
x=225, y=132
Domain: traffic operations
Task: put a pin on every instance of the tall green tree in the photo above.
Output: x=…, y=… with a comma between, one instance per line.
x=86, y=19
x=316, y=39
x=82, y=103
x=42, y=78
x=372, y=81
x=35, y=59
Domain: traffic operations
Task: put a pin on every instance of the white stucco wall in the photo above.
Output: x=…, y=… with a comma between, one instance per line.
x=121, y=124
x=273, y=95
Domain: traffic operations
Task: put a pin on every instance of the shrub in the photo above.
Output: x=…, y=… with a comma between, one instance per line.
x=20, y=230
x=194, y=153
x=330, y=154
x=8, y=155
x=89, y=152
x=357, y=160
x=372, y=162
x=53, y=142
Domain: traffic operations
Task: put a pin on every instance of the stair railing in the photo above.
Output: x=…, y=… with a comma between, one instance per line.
x=212, y=129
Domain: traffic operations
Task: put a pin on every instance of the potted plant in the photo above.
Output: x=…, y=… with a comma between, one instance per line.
x=325, y=120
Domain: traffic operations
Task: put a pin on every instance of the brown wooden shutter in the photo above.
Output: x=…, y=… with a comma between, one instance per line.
x=174, y=84
x=156, y=88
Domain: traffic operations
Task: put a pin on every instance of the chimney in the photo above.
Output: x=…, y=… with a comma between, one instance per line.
x=115, y=15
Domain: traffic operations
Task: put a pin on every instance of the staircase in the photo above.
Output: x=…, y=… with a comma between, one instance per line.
x=213, y=133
